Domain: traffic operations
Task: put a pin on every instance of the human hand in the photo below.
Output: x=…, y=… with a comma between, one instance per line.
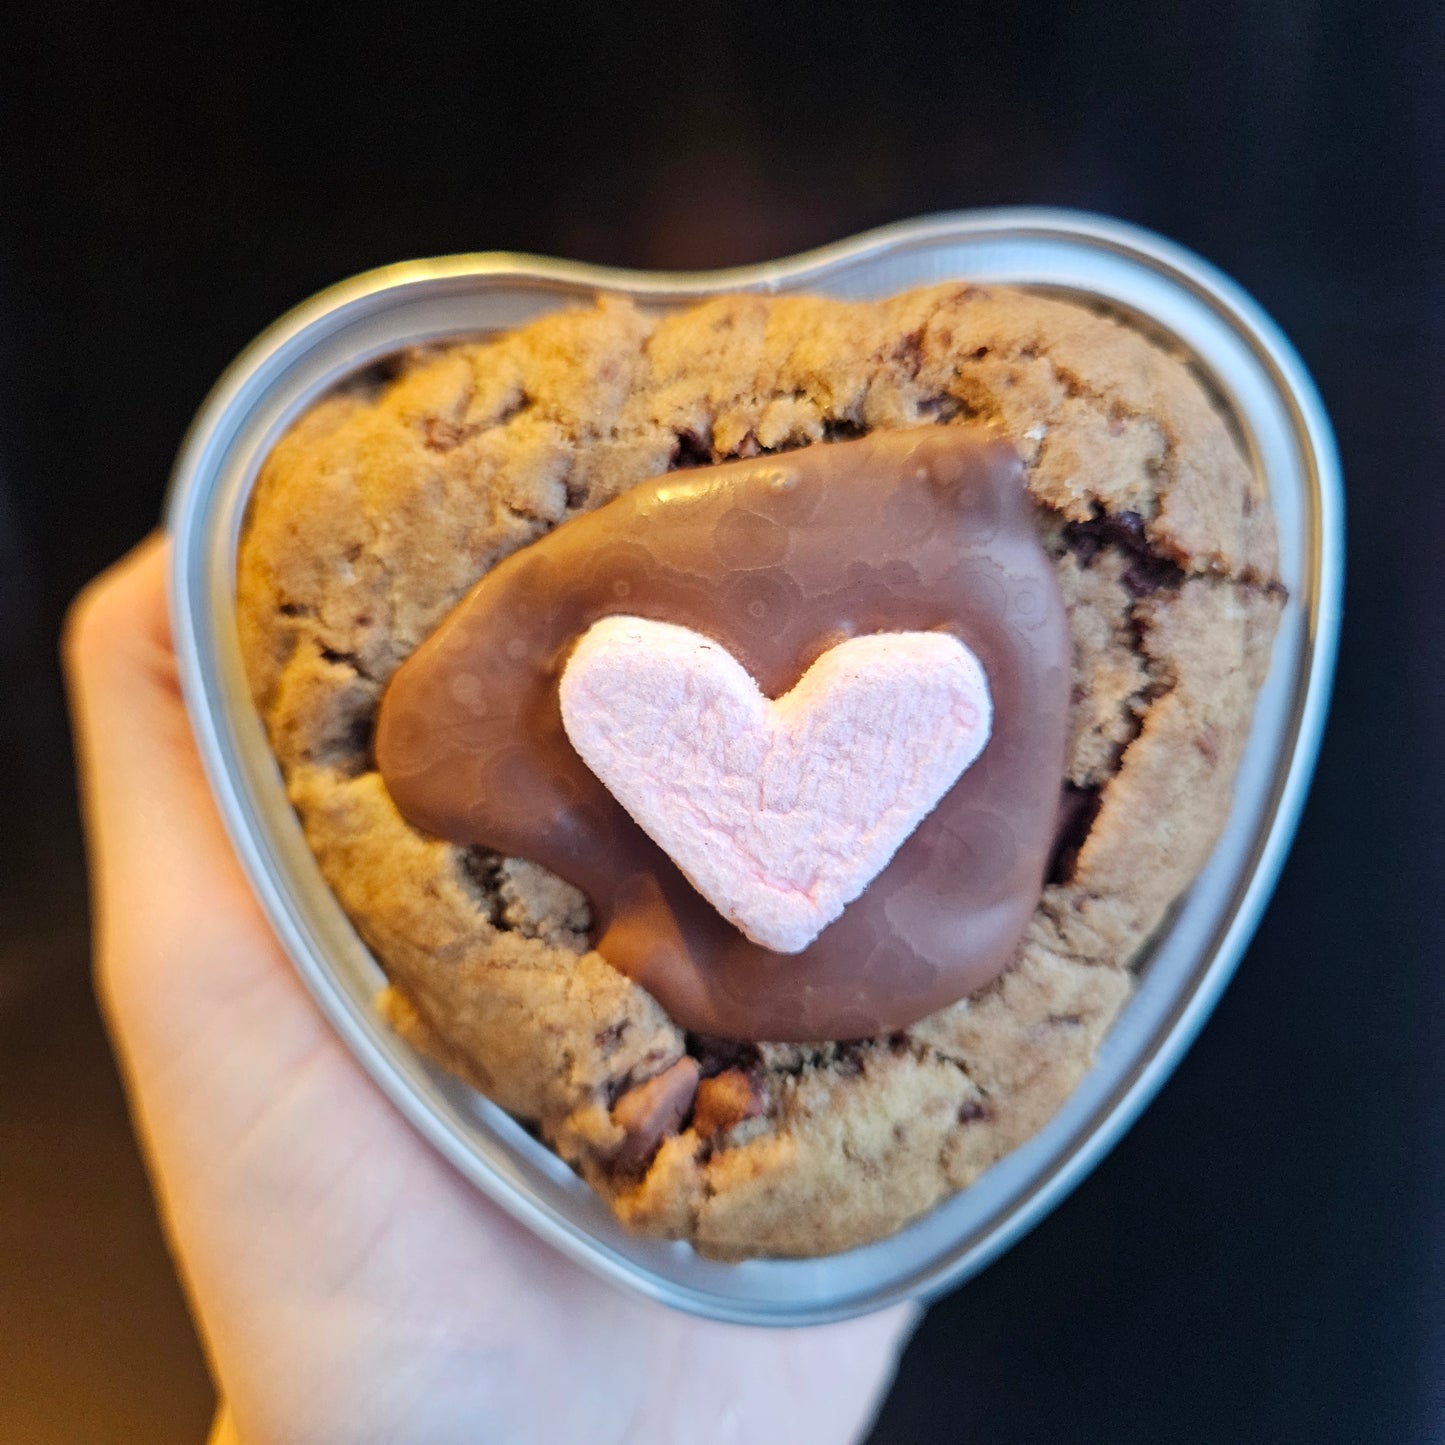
x=349, y=1286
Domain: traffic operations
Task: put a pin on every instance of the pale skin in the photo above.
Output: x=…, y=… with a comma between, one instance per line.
x=348, y=1285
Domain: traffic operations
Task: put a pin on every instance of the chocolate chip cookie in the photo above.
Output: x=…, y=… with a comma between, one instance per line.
x=389, y=500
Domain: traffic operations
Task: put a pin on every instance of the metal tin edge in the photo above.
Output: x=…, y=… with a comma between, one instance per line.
x=189, y=582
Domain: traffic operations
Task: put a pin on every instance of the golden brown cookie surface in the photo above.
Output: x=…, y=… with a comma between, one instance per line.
x=379, y=510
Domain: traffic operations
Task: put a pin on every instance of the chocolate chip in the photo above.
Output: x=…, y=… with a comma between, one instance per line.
x=650, y=1112
x=380, y=373
x=714, y=1054
x=691, y=450
x=1083, y=544
x=1148, y=575
x=842, y=429
x=909, y=351
x=479, y=871
x=355, y=742
x=725, y=1100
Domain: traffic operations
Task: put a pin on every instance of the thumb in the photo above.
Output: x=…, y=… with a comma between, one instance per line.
x=186, y=964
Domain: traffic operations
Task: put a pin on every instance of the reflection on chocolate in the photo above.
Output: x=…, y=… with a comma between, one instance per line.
x=777, y=559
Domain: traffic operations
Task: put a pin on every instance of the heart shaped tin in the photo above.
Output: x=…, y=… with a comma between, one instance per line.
x=1147, y=282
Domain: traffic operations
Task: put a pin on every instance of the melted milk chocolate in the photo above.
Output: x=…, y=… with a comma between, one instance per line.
x=777, y=560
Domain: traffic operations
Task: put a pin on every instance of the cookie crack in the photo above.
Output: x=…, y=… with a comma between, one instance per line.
x=1124, y=532
x=925, y=1053
x=1140, y=704
x=479, y=870
x=1143, y=573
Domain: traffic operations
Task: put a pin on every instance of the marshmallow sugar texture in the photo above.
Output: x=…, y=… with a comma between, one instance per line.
x=779, y=812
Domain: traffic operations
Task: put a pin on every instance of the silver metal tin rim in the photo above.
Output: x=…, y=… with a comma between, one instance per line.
x=1152, y=283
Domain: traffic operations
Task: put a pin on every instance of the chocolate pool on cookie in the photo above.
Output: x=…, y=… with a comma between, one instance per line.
x=901, y=532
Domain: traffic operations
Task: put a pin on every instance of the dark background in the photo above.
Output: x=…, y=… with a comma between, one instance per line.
x=1260, y=1259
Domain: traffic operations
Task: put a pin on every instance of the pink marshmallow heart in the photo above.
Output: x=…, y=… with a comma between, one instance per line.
x=780, y=813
